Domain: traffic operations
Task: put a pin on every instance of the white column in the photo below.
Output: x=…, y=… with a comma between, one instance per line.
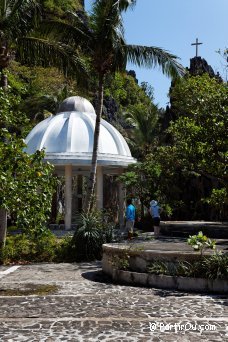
x=121, y=200
x=99, y=188
x=68, y=196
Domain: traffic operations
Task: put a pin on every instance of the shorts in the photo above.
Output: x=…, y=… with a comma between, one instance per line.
x=156, y=221
x=129, y=226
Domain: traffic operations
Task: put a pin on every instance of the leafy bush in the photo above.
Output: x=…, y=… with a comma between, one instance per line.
x=22, y=248
x=41, y=245
x=121, y=262
x=161, y=267
x=91, y=234
x=212, y=267
x=64, y=250
x=187, y=269
x=216, y=267
x=200, y=242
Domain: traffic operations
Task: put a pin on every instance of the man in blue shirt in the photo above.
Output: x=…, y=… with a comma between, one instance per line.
x=130, y=217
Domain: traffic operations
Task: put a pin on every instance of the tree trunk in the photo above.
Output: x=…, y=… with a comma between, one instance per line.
x=3, y=213
x=92, y=178
x=3, y=226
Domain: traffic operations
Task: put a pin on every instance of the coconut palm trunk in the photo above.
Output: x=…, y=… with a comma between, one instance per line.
x=92, y=178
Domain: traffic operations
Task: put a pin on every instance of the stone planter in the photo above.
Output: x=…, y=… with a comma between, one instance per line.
x=170, y=282
x=139, y=260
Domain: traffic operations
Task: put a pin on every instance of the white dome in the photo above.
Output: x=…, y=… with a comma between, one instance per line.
x=68, y=137
x=76, y=104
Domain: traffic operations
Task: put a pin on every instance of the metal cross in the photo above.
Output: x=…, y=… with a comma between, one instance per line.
x=196, y=44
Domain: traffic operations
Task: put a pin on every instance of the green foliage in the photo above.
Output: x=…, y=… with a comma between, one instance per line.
x=40, y=81
x=136, y=111
x=148, y=179
x=200, y=242
x=219, y=200
x=21, y=249
x=212, y=267
x=91, y=234
x=41, y=89
x=216, y=267
x=64, y=252
x=200, y=132
x=26, y=182
x=144, y=122
x=58, y=7
x=158, y=267
x=126, y=92
x=197, y=147
x=121, y=262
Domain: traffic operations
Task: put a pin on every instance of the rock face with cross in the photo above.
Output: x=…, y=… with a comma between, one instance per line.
x=199, y=65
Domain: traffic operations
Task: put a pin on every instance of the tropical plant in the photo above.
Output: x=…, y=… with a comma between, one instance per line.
x=216, y=267
x=22, y=248
x=101, y=37
x=121, y=262
x=201, y=242
x=26, y=183
x=18, y=19
x=143, y=120
x=211, y=267
x=158, y=267
x=200, y=132
x=149, y=177
x=92, y=232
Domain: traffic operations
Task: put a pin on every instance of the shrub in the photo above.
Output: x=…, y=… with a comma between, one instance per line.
x=91, y=234
x=64, y=251
x=200, y=242
x=216, y=267
x=212, y=267
x=24, y=248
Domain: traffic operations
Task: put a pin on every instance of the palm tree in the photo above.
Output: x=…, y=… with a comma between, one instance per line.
x=101, y=38
x=15, y=20
x=18, y=18
x=144, y=122
x=18, y=40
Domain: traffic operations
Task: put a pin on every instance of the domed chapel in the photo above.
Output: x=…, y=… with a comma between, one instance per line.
x=67, y=139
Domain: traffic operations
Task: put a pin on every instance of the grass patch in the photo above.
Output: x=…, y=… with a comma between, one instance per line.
x=30, y=290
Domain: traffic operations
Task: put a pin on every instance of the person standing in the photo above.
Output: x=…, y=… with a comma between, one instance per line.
x=130, y=218
x=155, y=213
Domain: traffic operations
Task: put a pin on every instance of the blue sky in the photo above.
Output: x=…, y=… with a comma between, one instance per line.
x=174, y=25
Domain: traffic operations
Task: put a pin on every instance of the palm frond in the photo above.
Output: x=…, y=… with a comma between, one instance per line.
x=124, y=5
x=66, y=32
x=35, y=51
x=150, y=57
x=144, y=120
x=18, y=17
x=105, y=18
x=22, y=5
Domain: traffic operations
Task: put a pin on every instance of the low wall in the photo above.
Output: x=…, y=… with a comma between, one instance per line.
x=186, y=228
x=169, y=282
x=139, y=260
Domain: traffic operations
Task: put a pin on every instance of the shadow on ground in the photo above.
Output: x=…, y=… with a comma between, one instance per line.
x=97, y=276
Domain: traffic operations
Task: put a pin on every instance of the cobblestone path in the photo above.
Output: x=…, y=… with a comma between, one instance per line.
x=87, y=307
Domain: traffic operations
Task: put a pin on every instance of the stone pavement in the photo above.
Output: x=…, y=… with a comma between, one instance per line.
x=87, y=307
